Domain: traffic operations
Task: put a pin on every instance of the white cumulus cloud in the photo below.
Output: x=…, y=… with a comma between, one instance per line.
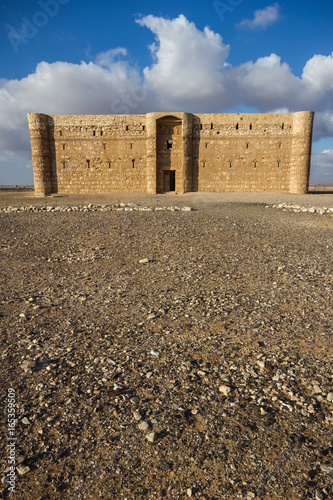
x=188, y=63
x=262, y=18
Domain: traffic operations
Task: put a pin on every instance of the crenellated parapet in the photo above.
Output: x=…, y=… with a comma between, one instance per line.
x=40, y=150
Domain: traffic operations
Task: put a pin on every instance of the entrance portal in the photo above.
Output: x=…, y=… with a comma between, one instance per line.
x=169, y=154
x=169, y=180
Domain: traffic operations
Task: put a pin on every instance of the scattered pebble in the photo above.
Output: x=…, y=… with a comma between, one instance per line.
x=143, y=426
x=22, y=469
x=151, y=437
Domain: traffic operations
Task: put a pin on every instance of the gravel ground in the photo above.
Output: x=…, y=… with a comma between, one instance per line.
x=203, y=371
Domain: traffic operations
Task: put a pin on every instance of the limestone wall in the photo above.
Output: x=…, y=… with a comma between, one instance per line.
x=132, y=153
x=253, y=152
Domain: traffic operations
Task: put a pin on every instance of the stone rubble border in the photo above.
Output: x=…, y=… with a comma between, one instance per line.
x=291, y=207
x=118, y=207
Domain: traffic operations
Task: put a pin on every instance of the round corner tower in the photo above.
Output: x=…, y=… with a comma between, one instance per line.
x=40, y=150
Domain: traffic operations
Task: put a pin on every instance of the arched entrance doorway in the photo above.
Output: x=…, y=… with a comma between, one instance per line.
x=169, y=154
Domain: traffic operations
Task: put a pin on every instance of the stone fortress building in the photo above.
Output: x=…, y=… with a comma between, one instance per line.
x=171, y=152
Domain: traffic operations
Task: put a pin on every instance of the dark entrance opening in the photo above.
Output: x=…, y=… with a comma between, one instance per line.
x=169, y=180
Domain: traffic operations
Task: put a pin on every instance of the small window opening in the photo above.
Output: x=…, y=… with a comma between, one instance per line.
x=133, y=162
x=64, y=164
x=200, y=126
x=109, y=164
x=88, y=163
x=282, y=126
x=104, y=144
x=247, y=145
x=280, y=145
x=236, y=126
x=203, y=163
x=63, y=146
x=143, y=127
x=206, y=145
x=278, y=163
x=126, y=128
x=230, y=163
x=169, y=144
x=94, y=132
x=250, y=126
x=211, y=126
x=255, y=164
x=101, y=132
x=60, y=132
x=131, y=145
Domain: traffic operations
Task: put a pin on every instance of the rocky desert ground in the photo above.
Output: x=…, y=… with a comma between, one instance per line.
x=150, y=351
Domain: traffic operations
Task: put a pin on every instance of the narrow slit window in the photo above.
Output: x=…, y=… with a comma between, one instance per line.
x=169, y=144
x=255, y=164
x=126, y=128
x=203, y=163
x=63, y=164
x=278, y=163
x=250, y=126
x=282, y=126
x=280, y=145
x=143, y=127
x=88, y=163
x=101, y=132
x=109, y=164
x=131, y=145
x=104, y=144
x=206, y=145
x=211, y=126
x=236, y=126
x=247, y=145
x=64, y=146
x=60, y=132
x=200, y=126
x=94, y=132
x=133, y=162
x=230, y=163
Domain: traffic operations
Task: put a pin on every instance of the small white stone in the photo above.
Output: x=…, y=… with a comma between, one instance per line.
x=189, y=492
x=261, y=364
x=154, y=353
x=326, y=469
x=224, y=389
x=22, y=469
x=143, y=426
x=137, y=415
x=143, y=261
x=329, y=397
x=151, y=437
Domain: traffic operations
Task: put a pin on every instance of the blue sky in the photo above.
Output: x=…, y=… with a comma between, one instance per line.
x=71, y=56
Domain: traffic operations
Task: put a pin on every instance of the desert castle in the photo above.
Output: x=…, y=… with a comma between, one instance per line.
x=171, y=152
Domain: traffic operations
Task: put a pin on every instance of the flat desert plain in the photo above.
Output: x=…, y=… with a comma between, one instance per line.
x=166, y=354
